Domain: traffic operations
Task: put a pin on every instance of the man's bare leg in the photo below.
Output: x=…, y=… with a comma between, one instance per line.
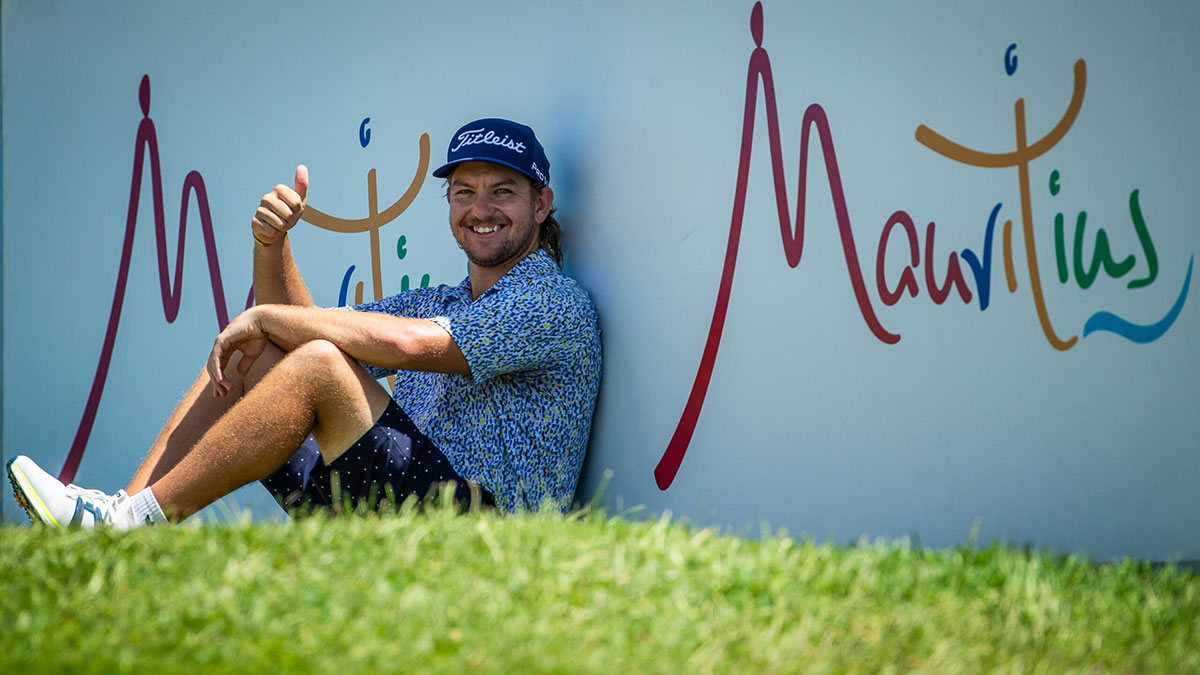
x=314, y=389
x=196, y=413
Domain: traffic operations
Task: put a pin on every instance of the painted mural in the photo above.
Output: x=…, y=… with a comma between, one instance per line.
x=954, y=278
x=981, y=309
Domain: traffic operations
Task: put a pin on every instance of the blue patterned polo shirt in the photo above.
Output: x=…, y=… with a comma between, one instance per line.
x=518, y=424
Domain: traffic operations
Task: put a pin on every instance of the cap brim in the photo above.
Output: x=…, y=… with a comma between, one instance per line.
x=448, y=168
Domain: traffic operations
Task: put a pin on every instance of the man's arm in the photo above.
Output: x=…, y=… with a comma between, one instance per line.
x=371, y=337
x=276, y=277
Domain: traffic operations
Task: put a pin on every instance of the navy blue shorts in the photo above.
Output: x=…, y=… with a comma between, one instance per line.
x=392, y=456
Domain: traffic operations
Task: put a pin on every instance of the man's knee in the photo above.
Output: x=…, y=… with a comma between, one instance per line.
x=320, y=358
x=322, y=350
x=327, y=374
x=345, y=399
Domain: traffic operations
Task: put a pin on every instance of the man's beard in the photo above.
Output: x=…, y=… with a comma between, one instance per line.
x=511, y=248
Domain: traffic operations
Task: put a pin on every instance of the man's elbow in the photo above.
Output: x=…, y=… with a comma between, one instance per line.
x=427, y=348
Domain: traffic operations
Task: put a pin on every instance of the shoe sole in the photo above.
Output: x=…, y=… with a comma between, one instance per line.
x=27, y=498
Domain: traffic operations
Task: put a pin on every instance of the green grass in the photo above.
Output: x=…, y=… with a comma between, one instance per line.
x=547, y=593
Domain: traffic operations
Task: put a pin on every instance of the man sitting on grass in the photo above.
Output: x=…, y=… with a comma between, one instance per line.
x=496, y=378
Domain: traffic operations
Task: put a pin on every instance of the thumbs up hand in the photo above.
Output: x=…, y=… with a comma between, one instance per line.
x=280, y=210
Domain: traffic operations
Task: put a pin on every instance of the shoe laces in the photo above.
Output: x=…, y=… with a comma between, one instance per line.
x=100, y=499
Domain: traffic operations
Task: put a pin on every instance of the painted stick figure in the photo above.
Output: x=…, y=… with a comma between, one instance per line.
x=375, y=219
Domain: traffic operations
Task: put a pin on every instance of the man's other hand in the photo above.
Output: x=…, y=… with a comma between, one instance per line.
x=280, y=209
x=244, y=334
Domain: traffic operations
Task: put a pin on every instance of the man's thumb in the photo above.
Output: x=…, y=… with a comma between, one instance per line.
x=302, y=182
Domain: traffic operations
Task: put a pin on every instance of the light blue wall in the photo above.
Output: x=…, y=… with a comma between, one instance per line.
x=3, y=456
x=810, y=420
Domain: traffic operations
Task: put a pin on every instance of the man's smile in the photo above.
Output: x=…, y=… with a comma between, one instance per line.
x=485, y=229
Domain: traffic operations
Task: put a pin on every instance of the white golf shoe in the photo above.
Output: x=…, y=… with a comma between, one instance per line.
x=47, y=500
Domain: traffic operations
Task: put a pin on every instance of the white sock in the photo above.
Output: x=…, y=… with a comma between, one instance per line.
x=143, y=509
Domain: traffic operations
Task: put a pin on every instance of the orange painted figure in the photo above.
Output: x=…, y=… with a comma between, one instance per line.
x=1020, y=158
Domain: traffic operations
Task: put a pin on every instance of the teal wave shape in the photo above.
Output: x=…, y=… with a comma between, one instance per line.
x=1111, y=323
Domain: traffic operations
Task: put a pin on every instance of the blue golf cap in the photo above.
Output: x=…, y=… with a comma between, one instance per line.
x=498, y=141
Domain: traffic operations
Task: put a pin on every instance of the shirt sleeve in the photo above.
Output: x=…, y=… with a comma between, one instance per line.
x=519, y=331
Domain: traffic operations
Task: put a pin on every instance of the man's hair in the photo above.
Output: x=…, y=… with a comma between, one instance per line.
x=549, y=233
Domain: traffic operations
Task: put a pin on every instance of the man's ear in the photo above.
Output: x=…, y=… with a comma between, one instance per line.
x=543, y=205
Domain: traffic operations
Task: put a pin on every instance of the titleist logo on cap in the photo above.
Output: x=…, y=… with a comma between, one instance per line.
x=488, y=137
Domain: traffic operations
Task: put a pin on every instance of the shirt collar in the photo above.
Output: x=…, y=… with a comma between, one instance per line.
x=534, y=264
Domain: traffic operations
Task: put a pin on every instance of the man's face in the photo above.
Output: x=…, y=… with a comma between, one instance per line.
x=495, y=212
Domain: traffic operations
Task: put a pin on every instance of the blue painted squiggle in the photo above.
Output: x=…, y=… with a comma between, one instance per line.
x=1107, y=321
x=345, y=287
x=364, y=134
x=983, y=271
x=1010, y=59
